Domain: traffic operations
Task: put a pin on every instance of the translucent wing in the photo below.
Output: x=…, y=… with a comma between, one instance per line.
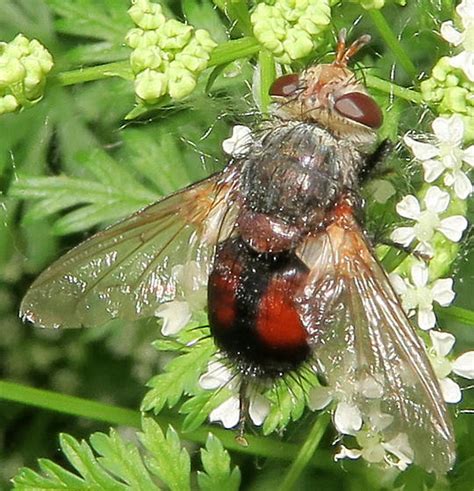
x=366, y=348
x=126, y=271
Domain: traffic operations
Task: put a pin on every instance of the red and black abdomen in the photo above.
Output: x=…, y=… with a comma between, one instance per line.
x=251, y=311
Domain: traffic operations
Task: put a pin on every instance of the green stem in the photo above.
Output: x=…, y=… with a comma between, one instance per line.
x=114, y=415
x=266, y=65
x=392, y=42
x=68, y=404
x=306, y=453
x=233, y=50
x=393, y=89
x=88, y=74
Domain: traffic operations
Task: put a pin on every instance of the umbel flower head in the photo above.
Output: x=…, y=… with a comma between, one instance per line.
x=167, y=55
x=291, y=29
x=24, y=65
x=445, y=156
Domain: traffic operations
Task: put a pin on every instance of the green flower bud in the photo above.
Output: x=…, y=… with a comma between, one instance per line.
x=181, y=81
x=289, y=28
x=12, y=70
x=204, y=40
x=297, y=44
x=149, y=57
x=150, y=85
x=146, y=15
x=174, y=35
x=24, y=65
x=8, y=104
x=138, y=38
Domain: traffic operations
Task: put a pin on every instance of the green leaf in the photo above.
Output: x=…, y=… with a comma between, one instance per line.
x=181, y=375
x=108, y=462
x=218, y=474
x=198, y=407
x=166, y=458
x=107, y=19
x=288, y=400
x=122, y=460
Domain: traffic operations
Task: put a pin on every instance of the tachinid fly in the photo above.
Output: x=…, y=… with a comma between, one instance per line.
x=292, y=277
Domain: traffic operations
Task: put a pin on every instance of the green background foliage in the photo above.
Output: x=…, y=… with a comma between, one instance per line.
x=73, y=163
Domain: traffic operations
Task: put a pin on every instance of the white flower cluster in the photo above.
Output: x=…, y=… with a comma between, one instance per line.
x=445, y=161
x=367, y=428
x=463, y=38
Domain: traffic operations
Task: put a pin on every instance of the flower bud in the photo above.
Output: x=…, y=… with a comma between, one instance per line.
x=150, y=85
x=146, y=15
x=181, y=81
x=8, y=104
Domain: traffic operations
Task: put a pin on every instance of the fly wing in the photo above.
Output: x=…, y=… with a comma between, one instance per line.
x=366, y=348
x=126, y=271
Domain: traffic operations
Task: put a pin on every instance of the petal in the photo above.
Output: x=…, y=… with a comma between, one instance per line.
x=259, y=408
x=421, y=150
x=464, y=365
x=464, y=61
x=347, y=418
x=425, y=248
x=465, y=10
x=433, y=169
x=443, y=342
x=436, y=200
x=453, y=227
x=238, y=143
x=450, y=390
x=175, y=315
x=442, y=291
x=398, y=283
x=319, y=397
x=468, y=155
x=450, y=34
x=462, y=185
x=419, y=274
x=426, y=319
x=228, y=413
x=403, y=235
x=217, y=375
x=449, y=130
x=409, y=207
x=347, y=453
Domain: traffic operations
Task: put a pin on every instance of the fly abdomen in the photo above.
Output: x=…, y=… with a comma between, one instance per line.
x=251, y=310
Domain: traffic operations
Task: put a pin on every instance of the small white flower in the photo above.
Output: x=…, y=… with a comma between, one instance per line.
x=465, y=38
x=239, y=142
x=418, y=295
x=428, y=221
x=442, y=344
x=190, y=279
x=445, y=156
x=228, y=413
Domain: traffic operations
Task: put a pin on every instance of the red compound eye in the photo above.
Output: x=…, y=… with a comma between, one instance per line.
x=360, y=108
x=284, y=86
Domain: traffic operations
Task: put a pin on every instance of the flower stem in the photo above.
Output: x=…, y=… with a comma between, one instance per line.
x=392, y=42
x=114, y=415
x=266, y=65
x=391, y=88
x=98, y=72
x=306, y=453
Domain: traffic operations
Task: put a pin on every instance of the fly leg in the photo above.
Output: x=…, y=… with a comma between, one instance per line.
x=243, y=412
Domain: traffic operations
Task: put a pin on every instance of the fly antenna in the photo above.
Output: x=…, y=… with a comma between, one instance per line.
x=344, y=54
